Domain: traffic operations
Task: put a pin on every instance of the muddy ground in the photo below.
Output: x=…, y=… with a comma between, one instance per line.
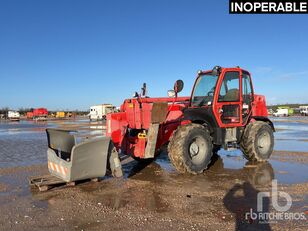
x=150, y=196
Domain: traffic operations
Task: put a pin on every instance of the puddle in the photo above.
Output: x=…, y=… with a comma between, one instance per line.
x=23, y=150
x=290, y=134
x=119, y=194
x=16, y=187
x=291, y=145
x=42, y=204
x=14, y=128
x=233, y=163
x=285, y=172
x=290, y=173
x=151, y=202
x=24, y=143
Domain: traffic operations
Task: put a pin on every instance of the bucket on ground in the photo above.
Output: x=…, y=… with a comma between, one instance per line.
x=71, y=161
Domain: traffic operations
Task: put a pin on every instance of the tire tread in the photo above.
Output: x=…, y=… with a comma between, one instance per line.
x=176, y=145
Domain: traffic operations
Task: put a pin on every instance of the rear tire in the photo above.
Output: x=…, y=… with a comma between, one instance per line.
x=190, y=148
x=257, y=141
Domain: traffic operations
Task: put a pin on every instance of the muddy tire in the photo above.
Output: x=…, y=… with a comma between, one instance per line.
x=257, y=141
x=190, y=148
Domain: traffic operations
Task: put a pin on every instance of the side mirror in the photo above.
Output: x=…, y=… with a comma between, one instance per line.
x=171, y=93
x=178, y=86
x=144, y=89
x=135, y=95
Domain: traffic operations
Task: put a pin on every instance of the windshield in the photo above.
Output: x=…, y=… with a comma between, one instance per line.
x=204, y=90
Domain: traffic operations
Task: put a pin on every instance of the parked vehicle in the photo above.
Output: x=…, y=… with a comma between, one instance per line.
x=217, y=115
x=270, y=111
x=60, y=114
x=69, y=114
x=99, y=112
x=290, y=110
x=281, y=112
x=303, y=110
x=40, y=114
x=30, y=115
x=13, y=115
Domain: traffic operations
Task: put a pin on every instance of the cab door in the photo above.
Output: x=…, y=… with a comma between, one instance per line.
x=228, y=104
x=247, y=96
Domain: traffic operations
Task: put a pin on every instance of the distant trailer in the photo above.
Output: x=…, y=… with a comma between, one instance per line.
x=13, y=115
x=303, y=110
x=40, y=114
x=99, y=112
x=60, y=114
x=29, y=115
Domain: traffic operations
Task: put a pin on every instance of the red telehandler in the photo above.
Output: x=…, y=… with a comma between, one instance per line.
x=222, y=112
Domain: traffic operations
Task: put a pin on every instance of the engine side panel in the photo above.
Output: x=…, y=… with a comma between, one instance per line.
x=259, y=106
x=128, y=128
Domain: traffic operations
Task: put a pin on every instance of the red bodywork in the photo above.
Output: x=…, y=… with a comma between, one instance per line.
x=128, y=128
x=40, y=112
x=134, y=116
x=29, y=115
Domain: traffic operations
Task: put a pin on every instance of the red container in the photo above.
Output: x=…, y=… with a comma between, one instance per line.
x=40, y=112
x=29, y=115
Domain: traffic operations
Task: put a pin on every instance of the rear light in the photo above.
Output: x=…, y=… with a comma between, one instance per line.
x=184, y=122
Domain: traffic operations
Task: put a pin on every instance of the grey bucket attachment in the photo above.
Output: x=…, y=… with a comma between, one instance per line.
x=71, y=162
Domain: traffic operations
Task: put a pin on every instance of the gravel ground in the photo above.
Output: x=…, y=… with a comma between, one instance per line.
x=150, y=199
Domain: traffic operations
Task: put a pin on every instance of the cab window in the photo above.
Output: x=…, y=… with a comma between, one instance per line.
x=229, y=90
x=246, y=88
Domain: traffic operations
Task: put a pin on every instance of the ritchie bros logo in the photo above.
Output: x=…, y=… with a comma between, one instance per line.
x=281, y=212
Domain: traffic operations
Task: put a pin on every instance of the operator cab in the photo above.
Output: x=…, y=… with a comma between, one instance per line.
x=228, y=91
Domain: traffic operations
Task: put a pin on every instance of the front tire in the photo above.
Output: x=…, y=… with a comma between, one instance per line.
x=190, y=148
x=257, y=142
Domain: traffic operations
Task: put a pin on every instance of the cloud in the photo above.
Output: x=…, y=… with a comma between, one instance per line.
x=272, y=74
x=262, y=70
x=292, y=75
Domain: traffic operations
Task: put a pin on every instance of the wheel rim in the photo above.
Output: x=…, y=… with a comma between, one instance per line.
x=264, y=142
x=197, y=150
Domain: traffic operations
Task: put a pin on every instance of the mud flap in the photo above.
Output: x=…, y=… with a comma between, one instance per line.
x=114, y=162
x=71, y=162
x=158, y=115
x=151, y=141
